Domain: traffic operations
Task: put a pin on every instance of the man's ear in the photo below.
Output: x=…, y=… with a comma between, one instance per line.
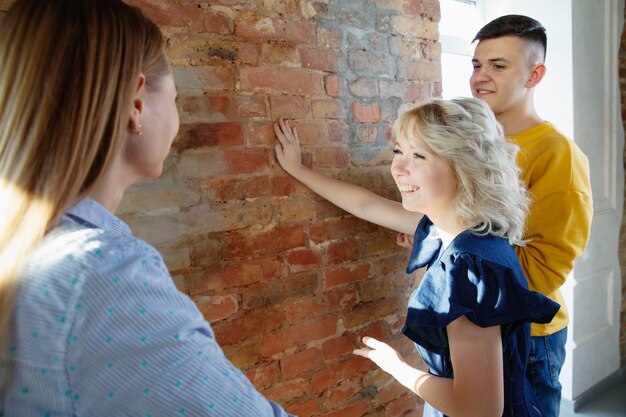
x=136, y=111
x=537, y=73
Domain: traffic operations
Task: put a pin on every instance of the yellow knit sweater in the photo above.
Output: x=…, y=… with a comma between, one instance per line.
x=557, y=174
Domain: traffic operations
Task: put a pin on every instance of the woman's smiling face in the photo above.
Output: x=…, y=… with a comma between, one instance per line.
x=427, y=181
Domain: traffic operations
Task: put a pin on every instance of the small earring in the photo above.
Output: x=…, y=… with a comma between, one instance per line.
x=136, y=131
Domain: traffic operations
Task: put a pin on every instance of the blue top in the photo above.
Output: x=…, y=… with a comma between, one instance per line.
x=478, y=277
x=101, y=330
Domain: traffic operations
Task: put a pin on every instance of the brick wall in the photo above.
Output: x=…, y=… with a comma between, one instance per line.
x=289, y=282
x=622, y=243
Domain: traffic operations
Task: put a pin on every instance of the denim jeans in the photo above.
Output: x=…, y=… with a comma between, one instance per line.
x=547, y=354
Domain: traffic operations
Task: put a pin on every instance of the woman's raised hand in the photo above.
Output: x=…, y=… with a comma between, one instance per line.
x=389, y=361
x=381, y=354
x=288, y=150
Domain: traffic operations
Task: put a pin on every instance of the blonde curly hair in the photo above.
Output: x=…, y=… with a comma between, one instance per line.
x=492, y=199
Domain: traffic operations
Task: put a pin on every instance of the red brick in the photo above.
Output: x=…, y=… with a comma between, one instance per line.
x=280, y=55
x=325, y=210
x=311, y=133
x=229, y=189
x=436, y=89
x=338, y=252
x=413, y=7
x=211, y=134
x=244, y=354
x=304, y=310
x=232, y=274
x=347, y=369
x=348, y=275
x=332, y=157
x=295, y=336
x=366, y=112
x=338, y=132
x=302, y=259
x=283, y=186
x=289, y=107
x=379, y=244
x=247, y=325
x=253, y=243
x=336, y=229
x=298, y=363
x=342, y=299
x=332, y=85
x=380, y=330
x=217, y=307
x=306, y=409
x=205, y=251
x=367, y=313
x=297, y=210
x=416, y=92
x=284, y=80
x=261, y=135
x=416, y=411
x=338, y=395
x=321, y=59
x=401, y=405
x=390, y=392
x=357, y=409
x=286, y=391
x=205, y=109
x=248, y=53
x=254, y=28
x=277, y=292
x=431, y=9
x=335, y=348
x=377, y=288
x=263, y=376
x=245, y=161
x=328, y=109
x=252, y=106
x=193, y=18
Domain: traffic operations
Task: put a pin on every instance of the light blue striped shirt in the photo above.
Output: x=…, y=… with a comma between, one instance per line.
x=101, y=330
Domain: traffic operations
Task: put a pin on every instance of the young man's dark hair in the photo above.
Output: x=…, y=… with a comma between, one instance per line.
x=523, y=27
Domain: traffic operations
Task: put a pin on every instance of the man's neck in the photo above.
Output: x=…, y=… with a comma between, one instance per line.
x=519, y=119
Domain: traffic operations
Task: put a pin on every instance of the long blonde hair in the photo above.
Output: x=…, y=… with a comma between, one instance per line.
x=493, y=199
x=68, y=74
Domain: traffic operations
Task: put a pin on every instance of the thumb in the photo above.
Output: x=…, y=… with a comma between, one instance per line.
x=279, y=149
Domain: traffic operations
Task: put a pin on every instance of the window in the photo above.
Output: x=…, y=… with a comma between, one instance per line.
x=460, y=20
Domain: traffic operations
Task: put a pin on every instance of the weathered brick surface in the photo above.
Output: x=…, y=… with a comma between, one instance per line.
x=289, y=282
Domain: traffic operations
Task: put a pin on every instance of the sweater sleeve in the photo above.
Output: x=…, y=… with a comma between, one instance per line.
x=559, y=222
